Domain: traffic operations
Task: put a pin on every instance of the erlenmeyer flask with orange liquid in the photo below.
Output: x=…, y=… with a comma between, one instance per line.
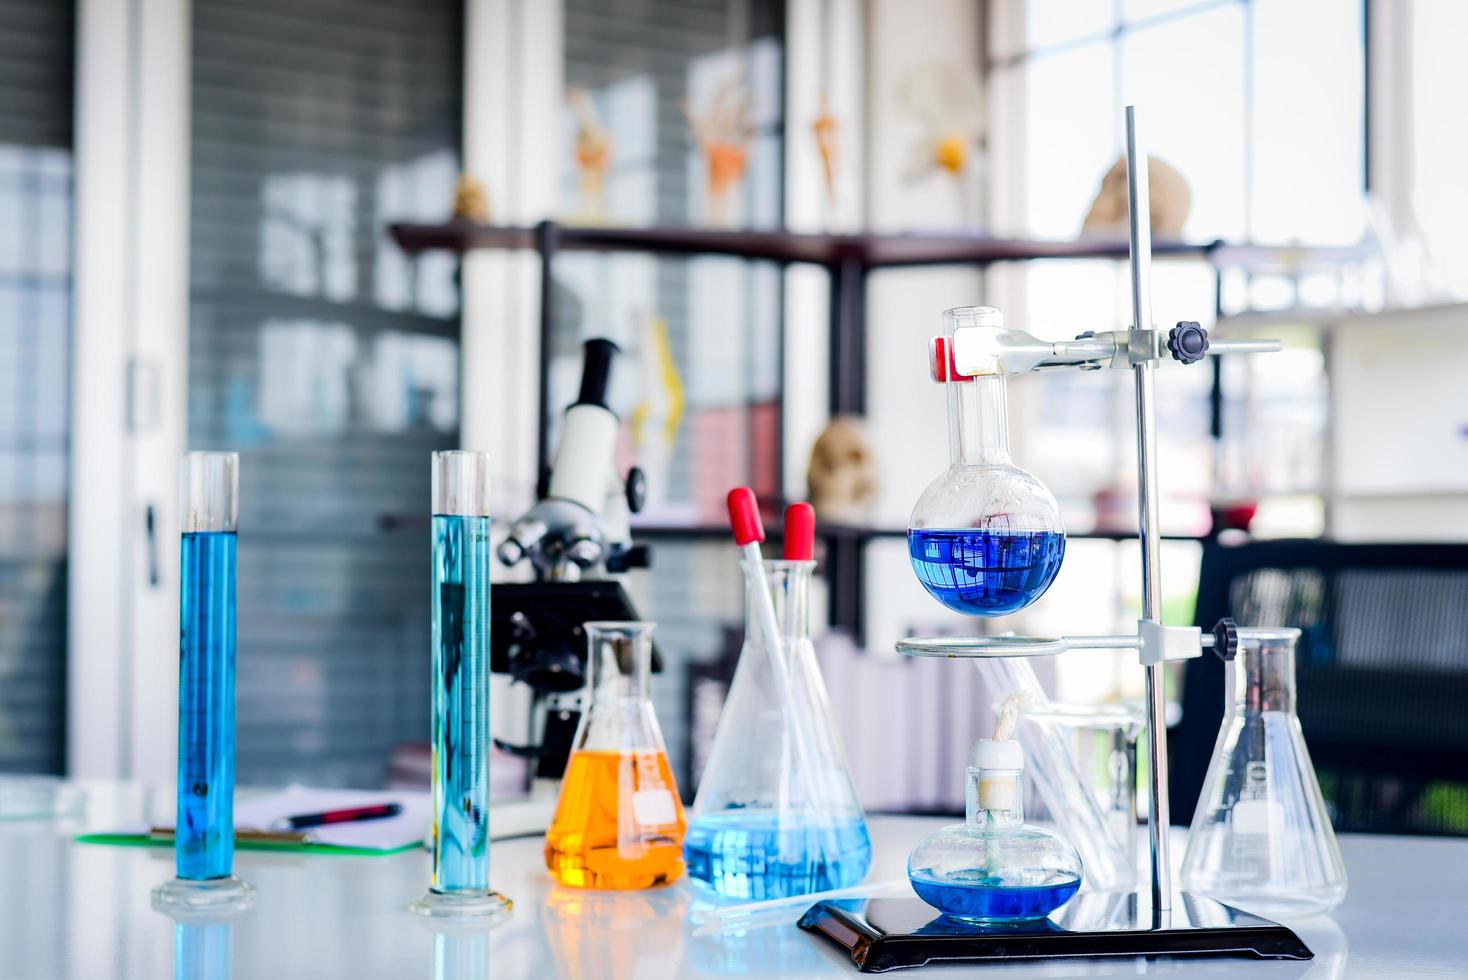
x=619, y=822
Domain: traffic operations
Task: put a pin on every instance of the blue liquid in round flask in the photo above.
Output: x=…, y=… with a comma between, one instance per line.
x=985, y=537
x=995, y=868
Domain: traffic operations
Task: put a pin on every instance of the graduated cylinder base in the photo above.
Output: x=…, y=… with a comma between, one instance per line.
x=214, y=897
x=461, y=906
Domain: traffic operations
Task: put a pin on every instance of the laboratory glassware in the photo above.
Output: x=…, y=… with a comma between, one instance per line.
x=994, y=867
x=985, y=537
x=38, y=798
x=204, y=823
x=776, y=812
x=884, y=934
x=619, y=821
x=1103, y=743
x=1091, y=798
x=1261, y=838
x=460, y=683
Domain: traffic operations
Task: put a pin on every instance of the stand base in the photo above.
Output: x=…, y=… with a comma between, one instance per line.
x=214, y=898
x=884, y=934
x=455, y=907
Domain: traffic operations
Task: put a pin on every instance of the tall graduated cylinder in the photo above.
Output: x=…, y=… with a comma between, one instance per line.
x=460, y=687
x=204, y=825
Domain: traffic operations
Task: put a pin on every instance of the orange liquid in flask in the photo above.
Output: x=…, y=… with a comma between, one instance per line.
x=619, y=823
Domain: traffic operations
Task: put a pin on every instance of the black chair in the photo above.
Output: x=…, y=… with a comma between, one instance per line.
x=1382, y=670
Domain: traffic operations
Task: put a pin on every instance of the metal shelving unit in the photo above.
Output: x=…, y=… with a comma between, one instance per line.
x=848, y=260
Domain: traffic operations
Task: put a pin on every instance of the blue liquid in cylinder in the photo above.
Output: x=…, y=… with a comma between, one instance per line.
x=202, y=950
x=204, y=836
x=746, y=854
x=461, y=561
x=985, y=573
x=989, y=899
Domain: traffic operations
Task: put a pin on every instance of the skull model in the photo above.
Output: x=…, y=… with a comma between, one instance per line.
x=843, y=472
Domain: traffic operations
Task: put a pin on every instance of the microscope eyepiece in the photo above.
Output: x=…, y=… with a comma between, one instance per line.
x=596, y=371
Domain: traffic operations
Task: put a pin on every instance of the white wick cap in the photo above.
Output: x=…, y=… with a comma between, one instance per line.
x=990, y=753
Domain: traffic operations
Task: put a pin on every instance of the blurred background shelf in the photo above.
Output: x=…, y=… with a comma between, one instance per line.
x=874, y=251
x=849, y=259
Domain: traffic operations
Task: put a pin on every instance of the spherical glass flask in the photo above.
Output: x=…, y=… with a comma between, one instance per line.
x=994, y=867
x=985, y=537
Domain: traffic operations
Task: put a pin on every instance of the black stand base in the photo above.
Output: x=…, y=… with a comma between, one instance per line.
x=884, y=934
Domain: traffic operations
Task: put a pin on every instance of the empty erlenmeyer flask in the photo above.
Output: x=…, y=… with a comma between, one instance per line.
x=1261, y=839
x=985, y=537
x=619, y=822
x=776, y=813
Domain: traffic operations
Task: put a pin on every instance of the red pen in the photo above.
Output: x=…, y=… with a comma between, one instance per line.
x=349, y=815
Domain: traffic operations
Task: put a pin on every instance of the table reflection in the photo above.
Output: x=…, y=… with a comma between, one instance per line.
x=203, y=950
x=616, y=934
x=461, y=955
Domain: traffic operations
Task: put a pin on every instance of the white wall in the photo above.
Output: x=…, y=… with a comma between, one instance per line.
x=1399, y=426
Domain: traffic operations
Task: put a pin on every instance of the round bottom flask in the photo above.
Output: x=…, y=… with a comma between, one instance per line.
x=985, y=538
x=994, y=868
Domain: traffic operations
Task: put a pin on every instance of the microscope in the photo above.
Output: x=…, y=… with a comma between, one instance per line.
x=576, y=540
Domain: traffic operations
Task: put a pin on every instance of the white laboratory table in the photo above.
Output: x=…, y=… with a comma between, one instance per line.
x=70, y=910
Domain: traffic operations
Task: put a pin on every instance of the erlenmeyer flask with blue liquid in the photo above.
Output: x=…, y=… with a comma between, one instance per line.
x=985, y=537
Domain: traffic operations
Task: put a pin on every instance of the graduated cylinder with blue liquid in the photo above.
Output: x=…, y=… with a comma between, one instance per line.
x=204, y=824
x=460, y=686
x=985, y=537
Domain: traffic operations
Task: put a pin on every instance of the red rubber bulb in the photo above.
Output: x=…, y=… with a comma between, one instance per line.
x=744, y=516
x=800, y=532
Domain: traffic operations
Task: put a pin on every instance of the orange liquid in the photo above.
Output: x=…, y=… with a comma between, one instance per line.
x=619, y=823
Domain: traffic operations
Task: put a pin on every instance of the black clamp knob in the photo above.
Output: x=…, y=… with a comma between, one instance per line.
x=1225, y=639
x=1187, y=342
x=626, y=559
x=636, y=489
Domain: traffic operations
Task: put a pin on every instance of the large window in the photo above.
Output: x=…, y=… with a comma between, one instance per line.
x=326, y=358
x=36, y=48
x=1260, y=105
x=1438, y=76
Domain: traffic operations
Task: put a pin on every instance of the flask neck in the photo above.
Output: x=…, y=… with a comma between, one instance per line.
x=1261, y=677
x=978, y=421
x=789, y=585
x=995, y=799
x=619, y=660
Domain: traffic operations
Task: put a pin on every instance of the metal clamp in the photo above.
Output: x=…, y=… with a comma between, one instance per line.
x=979, y=351
x=1163, y=644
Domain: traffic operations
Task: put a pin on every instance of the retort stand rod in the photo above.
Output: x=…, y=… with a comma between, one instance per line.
x=1140, y=221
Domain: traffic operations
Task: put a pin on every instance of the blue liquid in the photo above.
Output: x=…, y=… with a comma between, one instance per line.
x=202, y=951
x=985, y=573
x=737, y=853
x=988, y=899
x=460, y=703
x=204, y=838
